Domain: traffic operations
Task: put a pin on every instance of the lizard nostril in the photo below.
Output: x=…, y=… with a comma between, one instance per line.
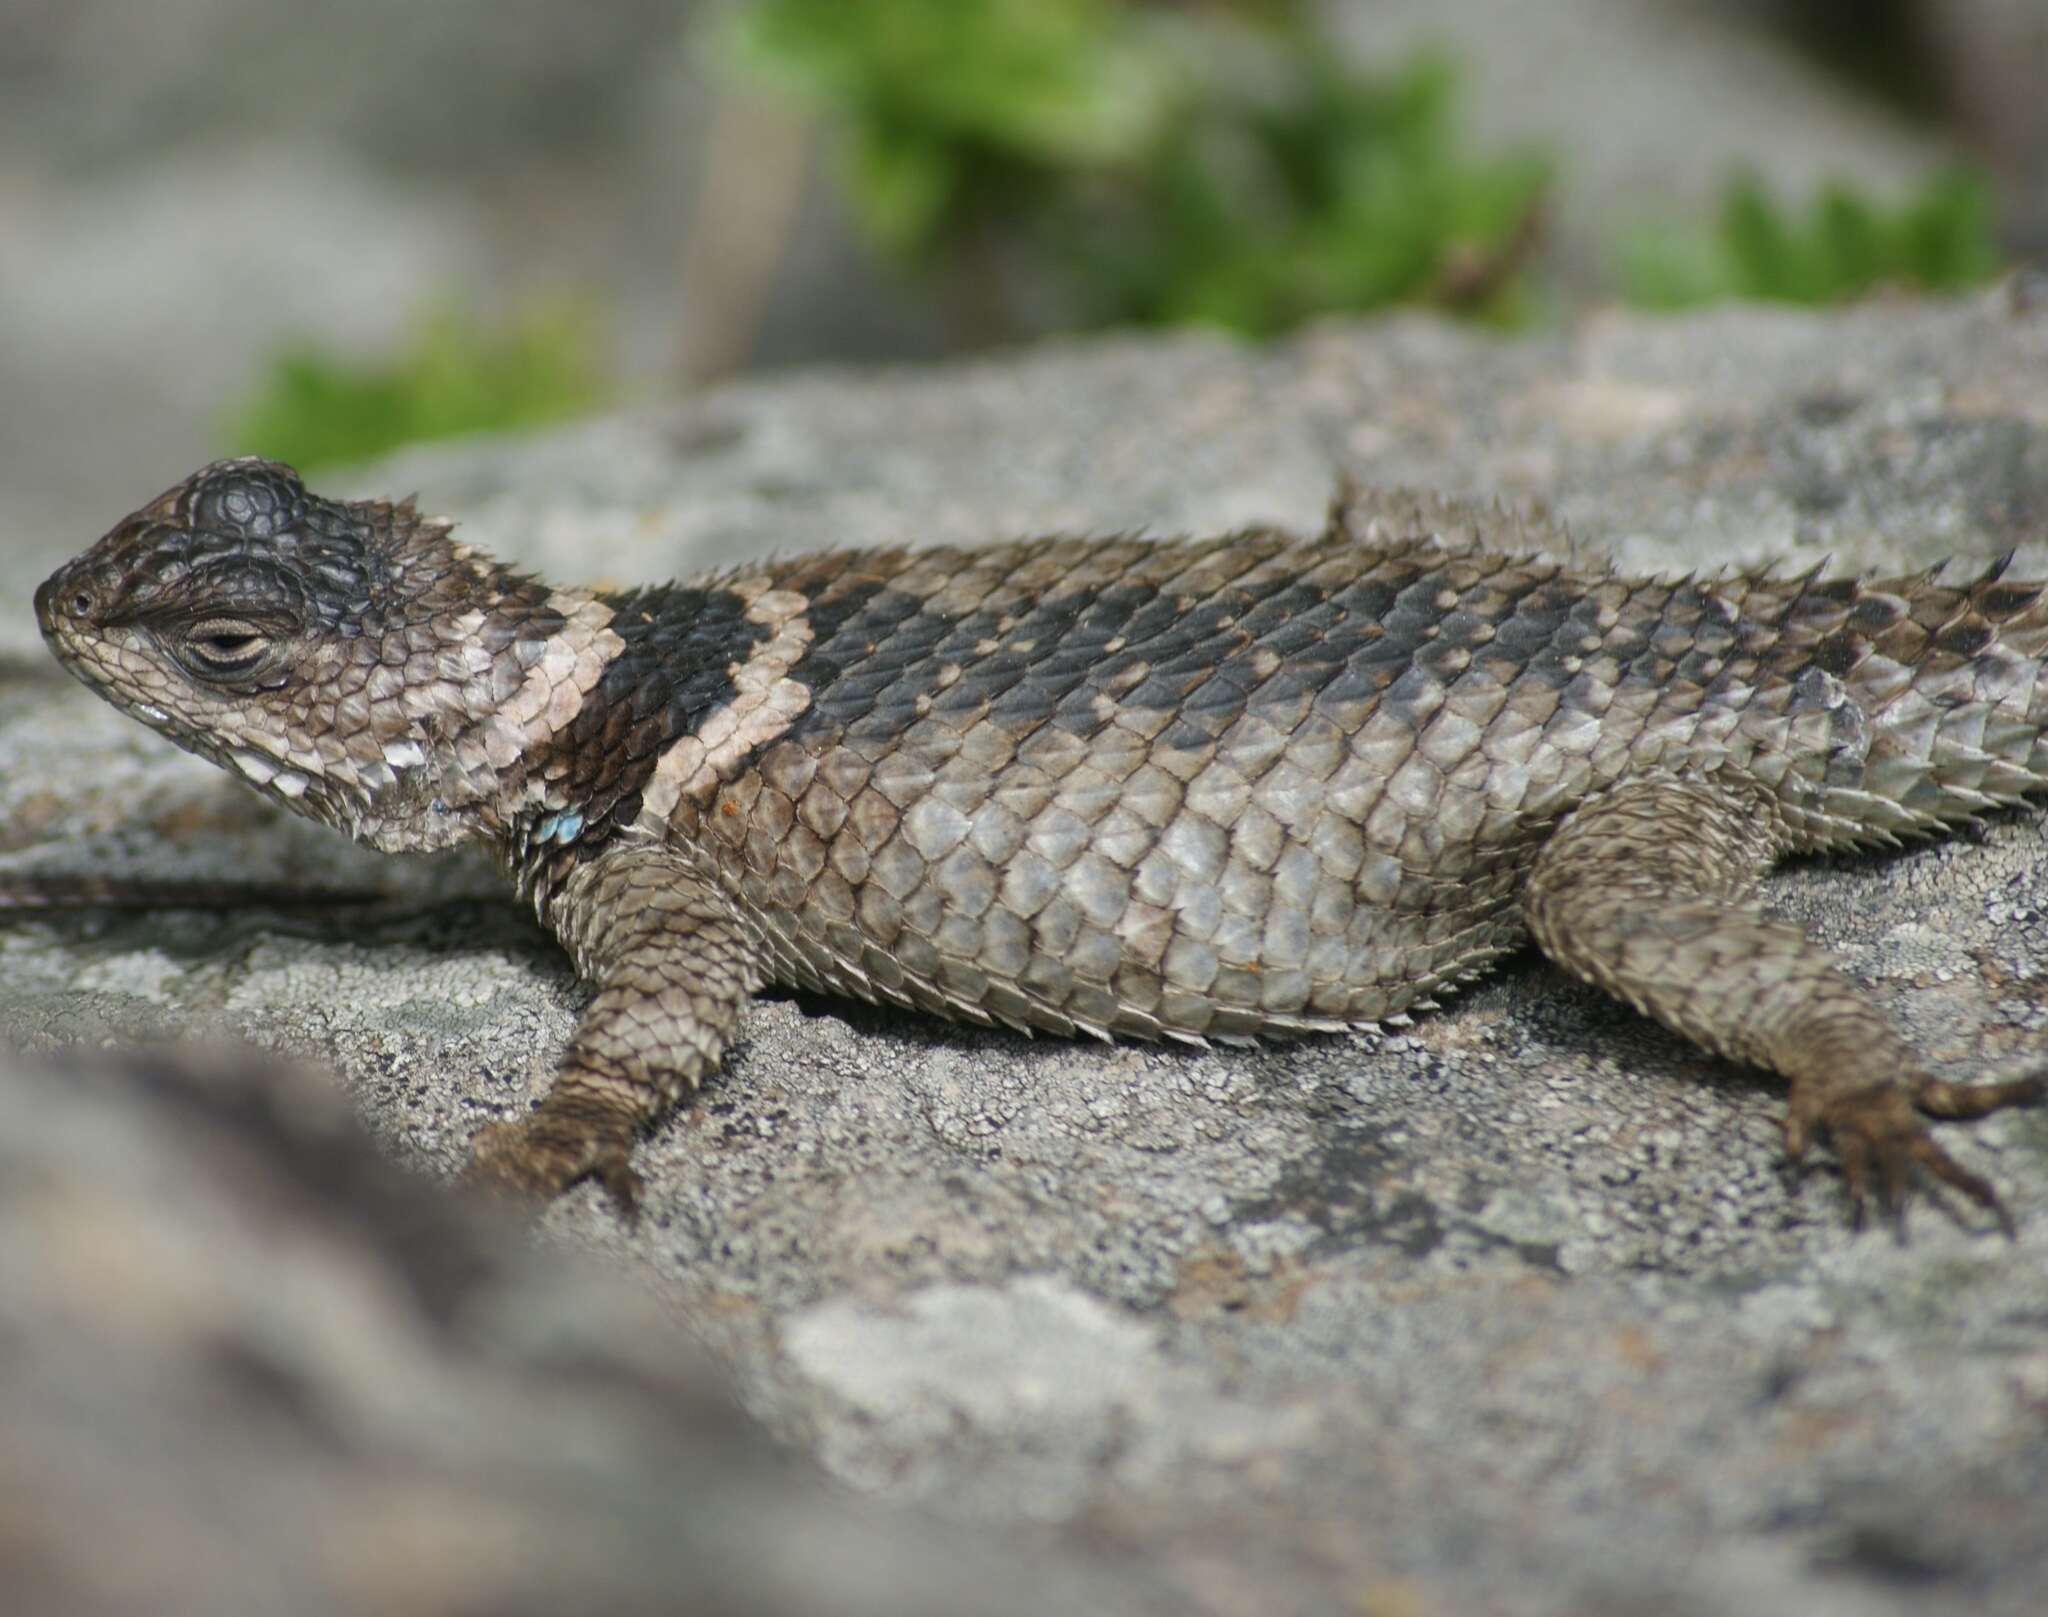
x=72, y=599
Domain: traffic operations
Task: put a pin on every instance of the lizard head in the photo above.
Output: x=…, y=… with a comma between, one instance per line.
x=323, y=650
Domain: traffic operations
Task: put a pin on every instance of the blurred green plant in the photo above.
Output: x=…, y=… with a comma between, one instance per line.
x=454, y=375
x=1158, y=163
x=1329, y=192
x=1940, y=239
x=944, y=103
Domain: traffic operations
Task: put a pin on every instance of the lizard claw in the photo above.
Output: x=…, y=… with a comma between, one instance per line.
x=541, y=1155
x=1882, y=1140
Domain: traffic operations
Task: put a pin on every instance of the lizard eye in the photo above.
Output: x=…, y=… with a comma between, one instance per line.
x=224, y=646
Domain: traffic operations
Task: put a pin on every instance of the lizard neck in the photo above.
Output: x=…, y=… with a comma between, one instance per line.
x=694, y=680
x=474, y=668
x=512, y=675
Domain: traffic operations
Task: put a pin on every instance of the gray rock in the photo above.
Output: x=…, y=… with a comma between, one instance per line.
x=1511, y=1311
x=251, y=1367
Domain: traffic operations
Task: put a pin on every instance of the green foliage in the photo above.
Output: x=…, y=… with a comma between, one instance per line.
x=313, y=408
x=1940, y=239
x=1153, y=163
x=937, y=98
x=1336, y=192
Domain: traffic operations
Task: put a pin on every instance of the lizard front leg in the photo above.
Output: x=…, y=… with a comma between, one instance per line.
x=1643, y=891
x=673, y=966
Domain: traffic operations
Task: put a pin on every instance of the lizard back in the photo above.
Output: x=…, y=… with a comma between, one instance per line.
x=1254, y=784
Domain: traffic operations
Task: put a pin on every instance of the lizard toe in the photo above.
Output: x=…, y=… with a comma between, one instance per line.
x=539, y=1156
x=1937, y=1097
x=1883, y=1145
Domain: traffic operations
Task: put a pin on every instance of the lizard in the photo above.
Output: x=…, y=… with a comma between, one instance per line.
x=1192, y=790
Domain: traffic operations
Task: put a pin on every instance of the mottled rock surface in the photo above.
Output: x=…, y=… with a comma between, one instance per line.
x=1511, y=1311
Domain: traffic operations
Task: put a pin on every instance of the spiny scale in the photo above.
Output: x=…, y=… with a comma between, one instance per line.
x=1191, y=789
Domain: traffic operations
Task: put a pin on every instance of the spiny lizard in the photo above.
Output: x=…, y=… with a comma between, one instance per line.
x=1185, y=789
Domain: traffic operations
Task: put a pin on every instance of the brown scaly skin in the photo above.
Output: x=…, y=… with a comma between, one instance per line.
x=1188, y=790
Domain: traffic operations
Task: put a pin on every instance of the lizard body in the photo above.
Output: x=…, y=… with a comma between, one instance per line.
x=1183, y=789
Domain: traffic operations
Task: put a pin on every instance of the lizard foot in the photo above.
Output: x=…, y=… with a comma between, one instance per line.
x=543, y=1154
x=1881, y=1137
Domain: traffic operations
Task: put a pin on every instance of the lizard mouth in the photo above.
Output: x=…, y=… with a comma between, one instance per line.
x=51, y=619
x=47, y=595
x=67, y=607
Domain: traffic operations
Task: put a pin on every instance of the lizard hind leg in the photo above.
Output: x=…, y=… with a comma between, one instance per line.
x=1644, y=891
x=673, y=968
